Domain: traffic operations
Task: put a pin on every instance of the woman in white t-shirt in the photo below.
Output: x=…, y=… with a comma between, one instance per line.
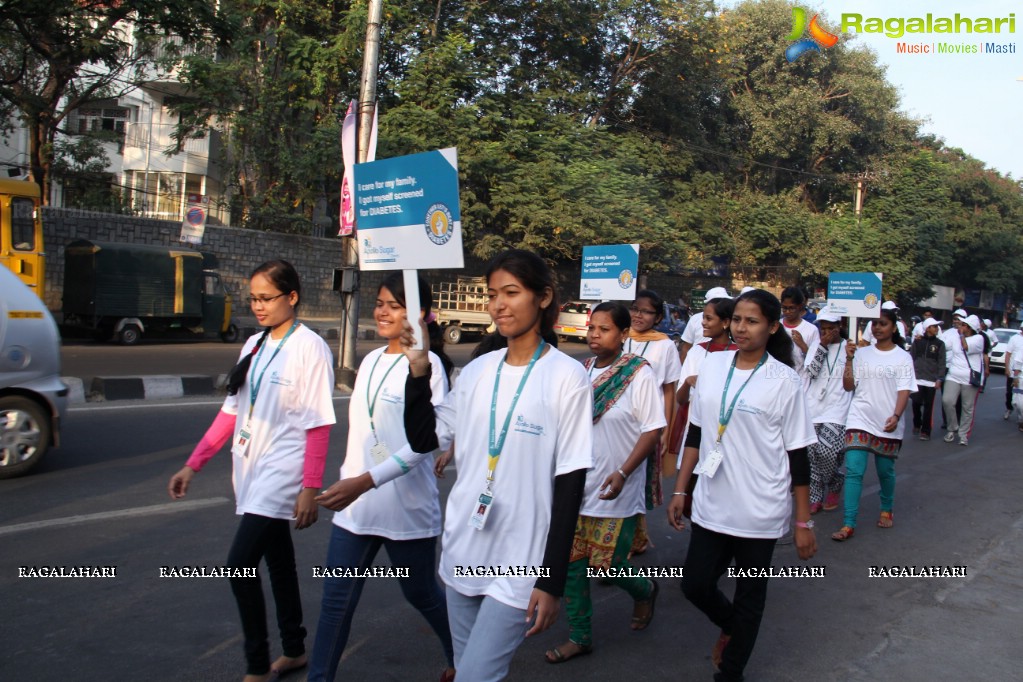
x=521, y=420
x=964, y=354
x=660, y=351
x=279, y=412
x=749, y=430
x=829, y=403
x=882, y=378
x=387, y=496
x=803, y=334
x=627, y=420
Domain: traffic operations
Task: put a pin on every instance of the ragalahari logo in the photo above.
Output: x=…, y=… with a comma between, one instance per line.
x=818, y=36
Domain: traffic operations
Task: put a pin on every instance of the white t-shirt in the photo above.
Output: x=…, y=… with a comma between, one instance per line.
x=749, y=495
x=405, y=504
x=959, y=365
x=639, y=409
x=827, y=399
x=693, y=333
x=691, y=367
x=662, y=356
x=1015, y=345
x=810, y=335
x=551, y=433
x=868, y=332
x=879, y=375
x=294, y=396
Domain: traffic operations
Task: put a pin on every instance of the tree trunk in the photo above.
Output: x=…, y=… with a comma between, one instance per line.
x=40, y=153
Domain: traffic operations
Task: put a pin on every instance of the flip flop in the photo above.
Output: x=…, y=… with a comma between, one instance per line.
x=555, y=656
x=886, y=520
x=843, y=534
x=641, y=622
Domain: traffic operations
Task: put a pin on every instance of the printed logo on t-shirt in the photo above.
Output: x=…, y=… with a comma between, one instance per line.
x=277, y=379
x=523, y=426
x=743, y=406
x=391, y=398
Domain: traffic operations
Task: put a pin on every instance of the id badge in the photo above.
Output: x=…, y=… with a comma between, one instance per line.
x=709, y=467
x=241, y=443
x=482, y=510
x=379, y=453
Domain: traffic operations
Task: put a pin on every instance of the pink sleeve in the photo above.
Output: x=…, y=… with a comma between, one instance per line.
x=316, y=441
x=220, y=432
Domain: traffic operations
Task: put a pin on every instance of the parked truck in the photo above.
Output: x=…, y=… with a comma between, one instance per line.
x=462, y=307
x=123, y=291
x=21, y=233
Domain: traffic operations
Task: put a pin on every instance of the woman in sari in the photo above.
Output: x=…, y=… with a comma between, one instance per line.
x=627, y=422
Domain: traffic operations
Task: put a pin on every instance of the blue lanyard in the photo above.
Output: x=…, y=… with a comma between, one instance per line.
x=725, y=417
x=372, y=403
x=254, y=385
x=497, y=440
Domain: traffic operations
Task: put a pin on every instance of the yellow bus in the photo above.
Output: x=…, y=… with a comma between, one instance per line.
x=21, y=232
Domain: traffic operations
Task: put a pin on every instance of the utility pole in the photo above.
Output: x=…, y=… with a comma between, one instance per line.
x=367, y=105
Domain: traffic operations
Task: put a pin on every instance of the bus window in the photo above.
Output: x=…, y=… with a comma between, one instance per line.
x=23, y=235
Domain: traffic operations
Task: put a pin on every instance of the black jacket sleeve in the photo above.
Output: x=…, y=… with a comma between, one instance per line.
x=420, y=421
x=568, y=496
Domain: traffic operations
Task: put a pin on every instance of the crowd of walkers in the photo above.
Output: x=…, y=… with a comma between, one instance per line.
x=767, y=418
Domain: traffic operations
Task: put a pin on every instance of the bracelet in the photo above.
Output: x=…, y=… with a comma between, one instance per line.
x=897, y=416
x=684, y=494
x=624, y=475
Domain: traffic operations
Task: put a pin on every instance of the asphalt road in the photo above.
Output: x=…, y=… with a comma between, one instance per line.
x=101, y=500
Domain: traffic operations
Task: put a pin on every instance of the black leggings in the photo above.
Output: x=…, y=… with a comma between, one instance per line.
x=260, y=537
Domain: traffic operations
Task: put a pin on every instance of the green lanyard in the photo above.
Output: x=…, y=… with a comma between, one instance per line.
x=725, y=417
x=827, y=360
x=254, y=389
x=645, y=345
x=372, y=403
x=497, y=440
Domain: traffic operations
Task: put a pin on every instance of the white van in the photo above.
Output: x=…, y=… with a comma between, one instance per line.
x=33, y=399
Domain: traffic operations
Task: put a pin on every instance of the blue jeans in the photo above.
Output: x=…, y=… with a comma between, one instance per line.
x=486, y=634
x=341, y=595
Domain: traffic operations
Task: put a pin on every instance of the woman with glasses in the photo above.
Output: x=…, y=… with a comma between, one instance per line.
x=802, y=333
x=660, y=351
x=387, y=496
x=278, y=415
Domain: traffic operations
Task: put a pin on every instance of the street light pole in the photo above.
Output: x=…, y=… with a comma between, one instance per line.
x=350, y=255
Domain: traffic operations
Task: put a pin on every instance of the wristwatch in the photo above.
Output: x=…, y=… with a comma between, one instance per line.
x=805, y=524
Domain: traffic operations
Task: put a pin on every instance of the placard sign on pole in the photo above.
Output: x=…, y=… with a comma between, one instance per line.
x=408, y=216
x=609, y=272
x=854, y=295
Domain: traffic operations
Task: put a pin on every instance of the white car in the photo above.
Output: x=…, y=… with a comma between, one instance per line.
x=574, y=320
x=998, y=352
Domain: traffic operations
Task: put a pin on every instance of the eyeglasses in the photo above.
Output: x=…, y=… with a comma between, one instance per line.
x=256, y=300
x=642, y=311
x=790, y=308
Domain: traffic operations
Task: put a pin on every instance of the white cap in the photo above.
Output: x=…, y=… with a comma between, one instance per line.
x=973, y=322
x=716, y=292
x=961, y=313
x=889, y=305
x=987, y=321
x=826, y=314
x=745, y=289
x=930, y=322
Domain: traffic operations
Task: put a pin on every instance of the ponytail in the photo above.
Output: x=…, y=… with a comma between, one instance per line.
x=236, y=377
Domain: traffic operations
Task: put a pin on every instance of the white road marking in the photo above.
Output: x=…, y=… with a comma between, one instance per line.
x=63, y=522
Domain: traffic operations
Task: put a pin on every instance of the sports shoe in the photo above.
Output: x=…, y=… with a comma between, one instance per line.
x=950, y=436
x=925, y=436
x=916, y=430
x=963, y=440
x=1008, y=413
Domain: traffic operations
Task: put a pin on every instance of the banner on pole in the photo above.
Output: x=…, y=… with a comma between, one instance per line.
x=609, y=272
x=855, y=294
x=407, y=212
x=193, y=227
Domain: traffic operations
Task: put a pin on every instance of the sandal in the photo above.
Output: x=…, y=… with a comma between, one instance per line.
x=843, y=534
x=555, y=655
x=815, y=507
x=718, y=652
x=285, y=664
x=886, y=520
x=641, y=622
x=830, y=502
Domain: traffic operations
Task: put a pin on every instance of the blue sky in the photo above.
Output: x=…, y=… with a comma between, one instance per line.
x=972, y=101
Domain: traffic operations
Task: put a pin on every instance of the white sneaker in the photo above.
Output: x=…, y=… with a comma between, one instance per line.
x=950, y=436
x=1008, y=413
x=963, y=440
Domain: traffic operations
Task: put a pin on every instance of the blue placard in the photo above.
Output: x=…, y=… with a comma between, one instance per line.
x=407, y=212
x=609, y=272
x=855, y=294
